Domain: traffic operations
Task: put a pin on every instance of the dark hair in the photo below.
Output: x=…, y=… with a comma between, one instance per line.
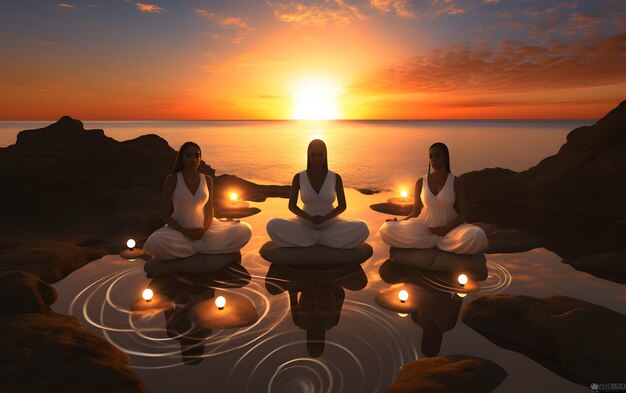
x=178, y=164
x=446, y=153
x=308, y=150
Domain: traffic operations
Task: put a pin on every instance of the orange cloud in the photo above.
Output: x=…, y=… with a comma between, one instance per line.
x=66, y=5
x=235, y=29
x=151, y=8
x=401, y=7
x=331, y=12
x=516, y=66
x=45, y=42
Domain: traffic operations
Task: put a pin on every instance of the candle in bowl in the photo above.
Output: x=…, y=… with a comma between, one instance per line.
x=131, y=252
x=234, y=202
x=403, y=201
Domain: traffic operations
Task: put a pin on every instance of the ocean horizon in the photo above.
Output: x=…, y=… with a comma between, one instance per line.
x=273, y=151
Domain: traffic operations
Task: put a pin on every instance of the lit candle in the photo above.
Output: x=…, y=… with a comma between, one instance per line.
x=403, y=296
x=131, y=244
x=220, y=302
x=462, y=279
x=404, y=194
x=147, y=294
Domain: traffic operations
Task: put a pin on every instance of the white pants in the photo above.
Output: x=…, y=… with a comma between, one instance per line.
x=222, y=237
x=336, y=232
x=413, y=233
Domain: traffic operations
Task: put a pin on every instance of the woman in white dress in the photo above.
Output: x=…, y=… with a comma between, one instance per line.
x=438, y=215
x=317, y=221
x=187, y=209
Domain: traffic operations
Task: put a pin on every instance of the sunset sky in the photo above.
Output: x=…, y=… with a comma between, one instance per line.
x=376, y=59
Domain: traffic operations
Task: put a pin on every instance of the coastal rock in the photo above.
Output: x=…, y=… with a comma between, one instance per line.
x=508, y=240
x=367, y=191
x=389, y=208
x=236, y=213
x=474, y=265
x=610, y=266
x=316, y=255
x=455, y=373
x=53, y=353
x=27, y=294
x=195, y=264
x=580, y=341
x=580, y=179
x=86, y=195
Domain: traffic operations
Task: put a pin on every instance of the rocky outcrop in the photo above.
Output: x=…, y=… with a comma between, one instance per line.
x=583, y=178
x=455, y=373
x=53, y=353
x=580, y=341
x=77, y=194
x=610, y=265
x=24, y=293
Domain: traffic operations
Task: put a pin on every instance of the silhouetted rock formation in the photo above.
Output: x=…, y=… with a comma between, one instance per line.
x=24, y=293
x=48, y=352
x=573, y=201
x=584, y=178
x=77, y=194
x=580, y=341
x=610, y=265
x=455, y=373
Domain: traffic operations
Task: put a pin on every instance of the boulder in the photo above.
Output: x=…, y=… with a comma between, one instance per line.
x=48, y=352
x=454, y=373
x=473, y=265
x=24, y=293
x=580, y=341
x=195, y=264
x=610, y=266
x=316, y=255
x=390, y=208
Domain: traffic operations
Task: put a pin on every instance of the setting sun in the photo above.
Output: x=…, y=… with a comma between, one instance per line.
x=316, y=99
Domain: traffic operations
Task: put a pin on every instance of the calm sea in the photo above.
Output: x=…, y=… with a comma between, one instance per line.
x=373, y=154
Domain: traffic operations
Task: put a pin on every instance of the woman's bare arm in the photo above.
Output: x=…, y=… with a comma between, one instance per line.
x=341, y=200
x=293, y=199
x=167, y=206
x=417, y=205
x=208, y=207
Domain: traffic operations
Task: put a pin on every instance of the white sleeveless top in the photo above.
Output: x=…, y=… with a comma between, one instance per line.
x=188, y=208
x=438, y=210
x=314, y=203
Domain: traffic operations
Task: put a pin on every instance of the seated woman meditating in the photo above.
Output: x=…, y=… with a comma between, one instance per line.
x=187, y=209
x=438, y=214
x=317, y=221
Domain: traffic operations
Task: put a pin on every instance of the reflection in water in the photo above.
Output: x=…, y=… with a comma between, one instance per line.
x=432, y=299
x=156, y=336
x=316, y=296
x=185, y=322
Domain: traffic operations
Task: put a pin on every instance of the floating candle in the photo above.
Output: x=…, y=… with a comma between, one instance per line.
x=403, y=295
x=147, y=294
x=220, y=302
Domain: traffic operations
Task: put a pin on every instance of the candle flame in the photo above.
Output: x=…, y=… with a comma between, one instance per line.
x=147, y=294
x=220, y=302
